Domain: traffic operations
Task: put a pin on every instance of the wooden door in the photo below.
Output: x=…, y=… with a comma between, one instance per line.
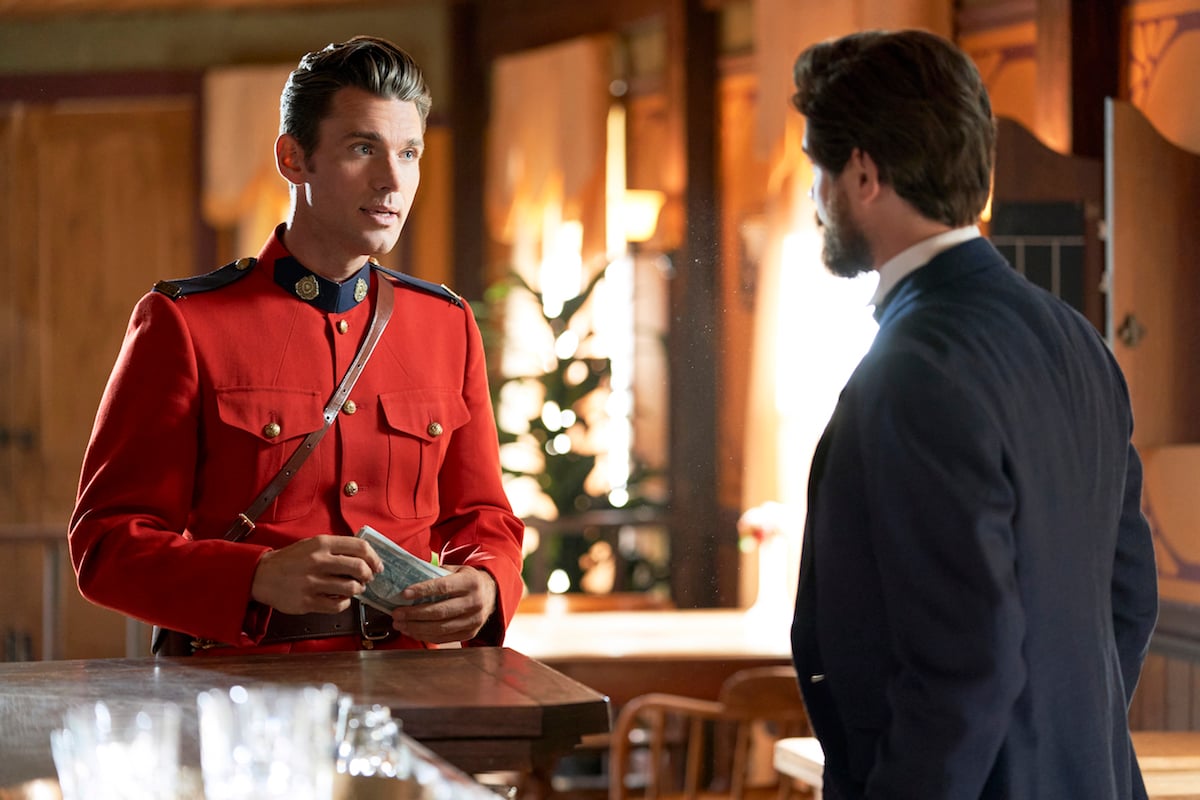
x=1045, y=218
x=1154, y=263
x=1154, y=319
x=1154, y=329
x=98, y=202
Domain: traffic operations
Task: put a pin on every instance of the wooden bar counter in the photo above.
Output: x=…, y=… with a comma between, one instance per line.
x=481, y=709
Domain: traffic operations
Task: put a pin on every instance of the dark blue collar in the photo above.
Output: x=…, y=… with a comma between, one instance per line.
x=948, y=265
x=323, y=293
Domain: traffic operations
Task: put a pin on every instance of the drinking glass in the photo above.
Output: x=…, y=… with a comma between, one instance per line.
x=118, y=752
x=267, y=742
x=370, y=743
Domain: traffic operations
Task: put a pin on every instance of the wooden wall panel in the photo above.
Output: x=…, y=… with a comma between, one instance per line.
x=20, y=345
x=1004, y=50
x=1194, y=717
x=1168, y=694
x=105, y=206
x=1148, y=710
x=109, y=176
x=1179, y=694
x=20, y=463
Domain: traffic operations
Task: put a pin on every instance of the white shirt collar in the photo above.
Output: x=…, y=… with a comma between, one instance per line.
x=901, y=265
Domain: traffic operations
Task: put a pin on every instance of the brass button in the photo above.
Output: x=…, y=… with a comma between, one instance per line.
x=343, y=326
x=244, y=264
x=434, y=429
x=350, y=407
x=271, y=430
x=350, y=489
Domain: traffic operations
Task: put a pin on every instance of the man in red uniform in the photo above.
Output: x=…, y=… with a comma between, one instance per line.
x=222, y=377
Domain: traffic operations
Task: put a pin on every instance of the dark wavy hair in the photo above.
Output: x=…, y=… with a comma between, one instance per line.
x=374, y=65
x=915, y=103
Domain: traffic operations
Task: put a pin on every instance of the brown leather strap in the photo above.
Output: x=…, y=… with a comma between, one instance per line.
x=384, y=301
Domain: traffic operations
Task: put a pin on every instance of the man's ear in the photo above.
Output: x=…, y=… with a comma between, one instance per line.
x=865, y=175
x=289, y=159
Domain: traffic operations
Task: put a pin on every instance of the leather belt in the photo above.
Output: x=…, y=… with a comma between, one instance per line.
x=358, y=620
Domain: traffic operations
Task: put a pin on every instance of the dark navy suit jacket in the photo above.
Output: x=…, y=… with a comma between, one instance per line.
x=977, y=585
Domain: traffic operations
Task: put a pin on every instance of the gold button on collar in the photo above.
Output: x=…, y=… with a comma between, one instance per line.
x=434, y=429
x=350, y=407
x=350, y=489
x=271, y=430
x=343, y=326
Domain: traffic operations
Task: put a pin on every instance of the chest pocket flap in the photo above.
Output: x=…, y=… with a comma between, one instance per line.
x=271, y=414
x=425, y=414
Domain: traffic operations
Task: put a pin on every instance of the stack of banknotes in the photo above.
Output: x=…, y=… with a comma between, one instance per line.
x=401, y=569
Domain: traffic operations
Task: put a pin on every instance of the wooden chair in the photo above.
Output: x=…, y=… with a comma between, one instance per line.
x=681, y=737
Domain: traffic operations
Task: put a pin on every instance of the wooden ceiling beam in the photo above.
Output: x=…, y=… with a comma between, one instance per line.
x=510, y=26
x=42, y=9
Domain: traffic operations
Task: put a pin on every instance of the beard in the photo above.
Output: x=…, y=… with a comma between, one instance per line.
x=846, y=251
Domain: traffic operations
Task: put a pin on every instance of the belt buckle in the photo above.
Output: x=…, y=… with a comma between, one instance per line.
x=204, y=644
x=369, y=639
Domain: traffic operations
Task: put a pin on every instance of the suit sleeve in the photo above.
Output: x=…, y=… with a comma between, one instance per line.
x=476, y=526
x=944, y=542
x=129, y=538
x=1135, y=580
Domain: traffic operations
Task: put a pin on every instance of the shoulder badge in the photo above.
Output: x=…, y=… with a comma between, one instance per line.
x=181, y=287
x=436, y=289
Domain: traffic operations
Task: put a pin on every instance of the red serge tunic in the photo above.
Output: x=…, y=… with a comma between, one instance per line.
x=213, y=391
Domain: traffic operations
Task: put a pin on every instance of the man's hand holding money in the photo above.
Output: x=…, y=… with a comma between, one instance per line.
x=461, y=603
x=317, y=575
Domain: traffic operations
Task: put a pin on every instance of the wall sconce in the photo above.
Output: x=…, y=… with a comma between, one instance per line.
x=639, y=214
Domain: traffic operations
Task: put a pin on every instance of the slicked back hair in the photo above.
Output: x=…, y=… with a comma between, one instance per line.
x=912, y=101
x=373, y=65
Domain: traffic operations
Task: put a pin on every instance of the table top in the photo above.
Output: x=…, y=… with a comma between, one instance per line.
x=481, y=709
x=801, y=757
x=1169, y=760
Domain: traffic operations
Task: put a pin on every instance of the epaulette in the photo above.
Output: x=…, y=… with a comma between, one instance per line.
x=224, y=276
x=436, y=289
